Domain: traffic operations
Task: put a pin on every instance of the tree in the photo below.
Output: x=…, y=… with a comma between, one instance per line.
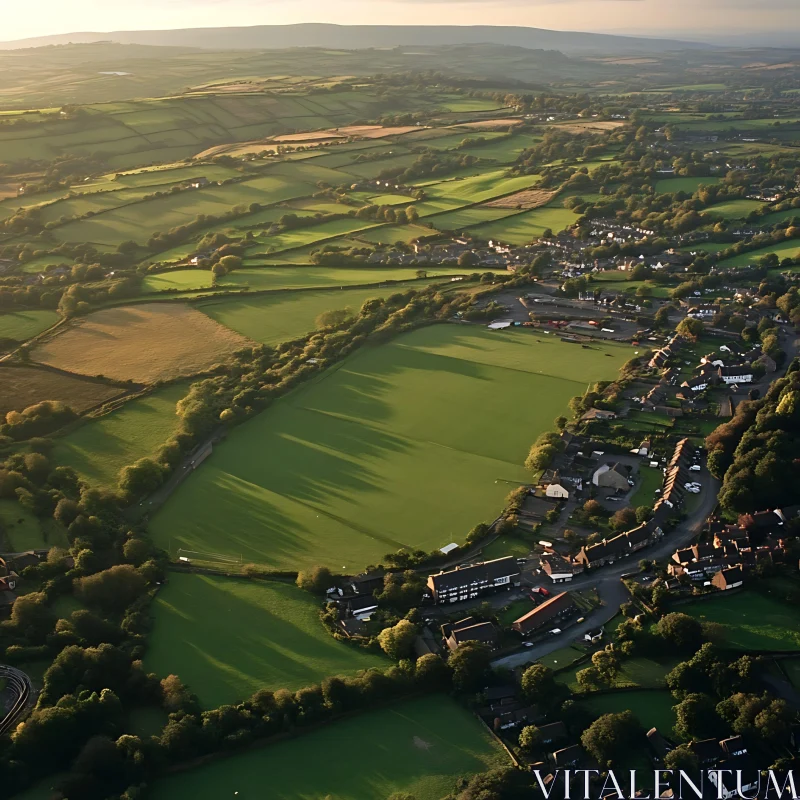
x=30, y=614
x=432, y=673
x=593, y=508
x=589, y=678
x=690, y=327
x=398, y=640
x=468, y=259
x=561, y=422
x=329, y=319
x=681, y=630
x=606, y=662
x=611, y=736
x=538, y=684
x=624, y=519
x=530, y=737
x=470, y=666
x=113, y=589
x=141, y=478
x=661, y=318
x=696, y=717
x=316, y=580
x=682, y=757
x=230, y=263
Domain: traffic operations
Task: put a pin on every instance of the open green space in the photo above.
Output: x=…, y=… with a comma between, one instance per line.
x=787, y=249
x=24, y=531
x=463, y=219
x=483, y=186
x=514, y=611
x=688, y=185
x=420, y=747
x=523, y=228
x=391, y=234
x=444, y=415
x=750, y=620
x=652, y=707
x=780, y=216
x=644, y=673
x=22, y=325
x=734, y=209
x=102, y=446
x=648, y=480
x=505, y=545
x=563, y=657
x=229, y=637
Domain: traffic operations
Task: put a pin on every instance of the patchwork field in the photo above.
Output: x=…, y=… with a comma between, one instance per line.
x=750, y=621
x=21, y=387
x=735, y=209
x=144, y=343
x=420, y=747
x=101, y=447
x=688, y=185
x=277, y=641
x=22, y=325
x=523, y=228
x=790, y=249
x=326, y=474
x=178, y=280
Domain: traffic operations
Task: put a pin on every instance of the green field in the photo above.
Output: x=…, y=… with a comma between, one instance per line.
x=750, y=621
x=22, y=325
x=101, y=447
x=420, y=747
x=652, y=707
x=688, y=185
x=469, y=217
x=326, y=475
x=24, y=531
x=228, y=637
x=178, y=280
x=286, y=277
x=790, y=249
x=734, y=209
x=523, y=228
x=281, y=317
x=644, y=673
x=482, y=187
x=648, y=480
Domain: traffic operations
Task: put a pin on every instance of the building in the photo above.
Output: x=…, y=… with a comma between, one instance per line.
x=467, y=583
x=606, y=552
x=557, y=491
x=611, y=476
x=598, y=413
x=558, y=569
x=550, y=613
x=554, y=732
x=367, y=582
x=659, y=745
x=698, y=384
x=728, y=579
x=568, y=757
x=740, y=373
x=469, y=630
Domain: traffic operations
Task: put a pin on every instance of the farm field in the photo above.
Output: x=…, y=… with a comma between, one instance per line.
x=652, y=707
x=750, y=620
x=645, y=673
x=276, y=642
x=790, y=249
x=178, y=280
x=688, y=185
x=24, y=386
x=420, y=747
x=24, y=531
x=468, y=217
x=780, y=216
x=523, y=228
x=22, y=325
x=324, y=476
x=283, y=316
x=734, y=209
x=101, y=447
x=483, y=186
x=143, y=343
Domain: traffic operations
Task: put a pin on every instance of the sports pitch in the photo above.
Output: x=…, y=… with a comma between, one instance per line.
x=444, y=415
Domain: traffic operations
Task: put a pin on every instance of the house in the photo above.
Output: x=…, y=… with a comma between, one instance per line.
x=733, y=746
x=568, y=757
x=698, y=384
x=599, y=414
x=606, y=552
x=611, y=476
x=728, y=579
x=367, y=582
x=659, y=745
x=643, y=535
x=551, y=612
x=557, y=491
x=469, y=630
x=352, y=627
x=199, y=183
x=467, y=583
x=361, y=607
x=22, y=561
x=554, y=732
x=740, y=373
x=735, y=777
x=557, y=568
x=708, y=751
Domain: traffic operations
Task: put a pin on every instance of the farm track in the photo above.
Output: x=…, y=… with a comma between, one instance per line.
x=19, y=683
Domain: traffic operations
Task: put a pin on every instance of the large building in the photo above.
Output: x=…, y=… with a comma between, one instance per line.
x=612, y=476
x=550, y=613
x=467, y=583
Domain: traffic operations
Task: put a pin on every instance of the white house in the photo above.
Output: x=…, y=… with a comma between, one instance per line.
x=737, y=374
x=557, y=491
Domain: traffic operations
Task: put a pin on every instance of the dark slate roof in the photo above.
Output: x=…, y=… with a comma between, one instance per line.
x=489, y=570
x=553, y=732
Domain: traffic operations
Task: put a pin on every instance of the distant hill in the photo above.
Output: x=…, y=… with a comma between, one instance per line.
x=356, y=37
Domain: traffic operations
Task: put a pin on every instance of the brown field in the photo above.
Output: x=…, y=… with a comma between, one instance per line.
x=306, y=137
x=590, y=125
x=490, y=123
x=143, y=343
x=527, y=198
x=21, y=387
x=377, y=131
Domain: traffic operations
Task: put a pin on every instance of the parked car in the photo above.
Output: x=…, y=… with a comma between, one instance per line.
x=695, y=468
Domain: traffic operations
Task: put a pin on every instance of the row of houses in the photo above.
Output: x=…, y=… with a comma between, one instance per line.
x=668, y=351
x=676, y=475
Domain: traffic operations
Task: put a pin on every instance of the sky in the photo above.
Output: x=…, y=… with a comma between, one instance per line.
x=692, y=18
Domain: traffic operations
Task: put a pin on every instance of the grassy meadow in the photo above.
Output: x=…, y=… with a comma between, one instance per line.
x=420, y=747
x=227, y=638
x=24, y=531
x=101, y=447
x=326, y=474
x=22, y=325
x=790, y=249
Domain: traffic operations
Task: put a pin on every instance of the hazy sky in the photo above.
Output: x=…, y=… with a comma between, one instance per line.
x=654, y=17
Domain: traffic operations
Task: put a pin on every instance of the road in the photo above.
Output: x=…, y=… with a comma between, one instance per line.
x=18, y=684
x=606, y=580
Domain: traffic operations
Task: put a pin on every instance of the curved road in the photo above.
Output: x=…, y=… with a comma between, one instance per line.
x=607, y=581
x=20, y=684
